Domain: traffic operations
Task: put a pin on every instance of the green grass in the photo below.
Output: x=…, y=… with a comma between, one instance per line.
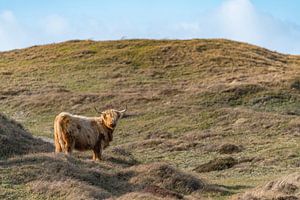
x=184, y=98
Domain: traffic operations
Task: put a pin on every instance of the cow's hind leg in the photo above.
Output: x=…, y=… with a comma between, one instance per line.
x=57, y=147
x=69, y=147
x=56, y=143
x=69, y=144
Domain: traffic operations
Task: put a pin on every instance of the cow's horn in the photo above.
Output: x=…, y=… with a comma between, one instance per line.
x=122, y=111
x=97, y=110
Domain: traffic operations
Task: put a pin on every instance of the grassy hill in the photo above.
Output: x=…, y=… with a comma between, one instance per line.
x=226, y=111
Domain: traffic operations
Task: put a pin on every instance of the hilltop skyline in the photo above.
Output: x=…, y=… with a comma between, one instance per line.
x=270, y=24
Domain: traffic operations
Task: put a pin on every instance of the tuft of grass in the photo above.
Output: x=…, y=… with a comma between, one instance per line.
x=218, y=164
x=295, y=84
x=15, y=140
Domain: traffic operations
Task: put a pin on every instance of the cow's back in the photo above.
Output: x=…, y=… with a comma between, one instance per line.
x=79, y=128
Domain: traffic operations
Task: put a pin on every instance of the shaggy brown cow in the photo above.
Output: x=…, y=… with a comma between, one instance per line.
x=85, y=133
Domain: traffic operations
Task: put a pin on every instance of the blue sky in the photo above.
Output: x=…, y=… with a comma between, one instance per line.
x=274, y=24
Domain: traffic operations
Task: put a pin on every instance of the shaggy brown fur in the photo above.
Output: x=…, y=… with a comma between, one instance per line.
x=85, y=133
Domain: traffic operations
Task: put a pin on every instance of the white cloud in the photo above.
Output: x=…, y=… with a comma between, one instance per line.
x=7, y=16
x=12, y=34
x=240, y=20
x=233, y=19
x=55, y=25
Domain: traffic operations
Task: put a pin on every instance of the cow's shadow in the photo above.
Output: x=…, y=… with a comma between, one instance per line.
x=113, y=156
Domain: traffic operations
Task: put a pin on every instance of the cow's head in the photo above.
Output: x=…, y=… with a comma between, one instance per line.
x=111, y=117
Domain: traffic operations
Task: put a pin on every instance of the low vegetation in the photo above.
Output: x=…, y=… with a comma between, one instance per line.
x=230, y=110
x=57, y=176
x=286, y=187
x=15, y=140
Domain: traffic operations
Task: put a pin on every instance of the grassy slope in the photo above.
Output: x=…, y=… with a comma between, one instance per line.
x=185, y=99
x=30, y=170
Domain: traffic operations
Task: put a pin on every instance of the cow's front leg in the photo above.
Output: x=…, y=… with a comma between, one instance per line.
x=97, y=151
x=100, y=154
x=97, y=154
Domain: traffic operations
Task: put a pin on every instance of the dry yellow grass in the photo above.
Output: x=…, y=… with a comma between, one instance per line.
x=286, y=187
x=186, y=100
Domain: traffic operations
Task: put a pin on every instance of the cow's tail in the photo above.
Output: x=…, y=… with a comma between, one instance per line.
x=59, y=134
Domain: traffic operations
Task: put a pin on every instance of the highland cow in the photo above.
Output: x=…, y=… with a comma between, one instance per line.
x=85, y=133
